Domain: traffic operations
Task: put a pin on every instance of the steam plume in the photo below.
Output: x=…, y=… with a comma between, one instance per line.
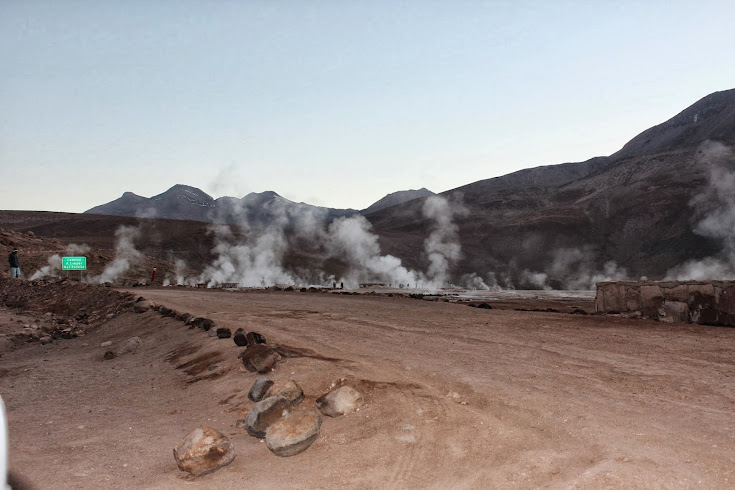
x=719, y=221
x=442, y=246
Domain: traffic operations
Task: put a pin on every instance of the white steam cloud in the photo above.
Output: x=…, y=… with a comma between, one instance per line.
x=718, y=221
x=442, y=245
x=352, y=240
x=573, y=268
x=125, y=254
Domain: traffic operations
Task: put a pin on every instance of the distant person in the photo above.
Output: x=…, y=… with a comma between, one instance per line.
x=14, y=263
x=341, y=285
x=153, y=275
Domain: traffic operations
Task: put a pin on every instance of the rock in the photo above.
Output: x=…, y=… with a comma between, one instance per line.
x=203, y=451
x=264, y=414
x=106, y=344
x=142, y=306
x=260, y=387
x=293, y=433
x=255, y=338
x=224, y=333
x=485, y=306
x=338, y=402
x=287, y=389
x=46, y=339
x=212, y=332
x=130, y=345
x=240, y=338
x=260, y=358
x=248, y=353
x=265, y=361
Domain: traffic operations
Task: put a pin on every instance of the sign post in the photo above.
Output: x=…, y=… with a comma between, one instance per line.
x=74, y=264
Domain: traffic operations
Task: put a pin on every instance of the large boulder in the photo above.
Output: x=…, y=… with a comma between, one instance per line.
x=287, y=389
x=223, y=333
x=259, y=358
x=265, y=413
x=265, y=361
x=293, y=433
x=130, y=345
x=260, y=387
x=340, y=401
x=203, y=451
x=142, y=306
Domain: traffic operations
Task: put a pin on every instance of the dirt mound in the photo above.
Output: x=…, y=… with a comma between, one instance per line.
x=54, y=309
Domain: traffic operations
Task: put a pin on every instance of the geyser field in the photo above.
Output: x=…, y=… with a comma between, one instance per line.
x=457, y=396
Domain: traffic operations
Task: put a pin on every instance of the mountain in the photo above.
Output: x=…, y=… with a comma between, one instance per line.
x=396, y=198
x=638, y=207
x=257, y=209
x=189, y=203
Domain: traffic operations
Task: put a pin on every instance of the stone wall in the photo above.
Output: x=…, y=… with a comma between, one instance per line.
x=703, y=302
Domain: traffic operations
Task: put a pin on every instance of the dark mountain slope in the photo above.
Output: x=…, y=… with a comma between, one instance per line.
x=632, y=207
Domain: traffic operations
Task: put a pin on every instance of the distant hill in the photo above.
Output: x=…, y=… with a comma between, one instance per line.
x=396, y=198
x=189, y=203
x=257, y=209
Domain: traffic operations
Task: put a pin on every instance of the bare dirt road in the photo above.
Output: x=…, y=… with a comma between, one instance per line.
x=457, y=397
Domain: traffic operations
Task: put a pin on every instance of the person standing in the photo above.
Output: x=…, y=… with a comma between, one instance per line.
x=14, y=263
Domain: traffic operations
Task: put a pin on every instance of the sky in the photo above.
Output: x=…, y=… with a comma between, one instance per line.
x=334, y=103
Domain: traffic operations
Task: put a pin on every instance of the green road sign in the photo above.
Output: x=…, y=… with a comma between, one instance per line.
x=74, y=263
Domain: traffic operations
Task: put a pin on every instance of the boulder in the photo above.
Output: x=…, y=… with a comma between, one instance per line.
x=224, y=333
x=264, y=414
x=203, y=323
x=293, y=433
x=130, y=345
x=254, y=338
x=287, y=389
x=203, y=451
x=265, y=361
x=249, y=353
x=260, y=387
x=142, y=306
x=340, y=401
x=240, y=338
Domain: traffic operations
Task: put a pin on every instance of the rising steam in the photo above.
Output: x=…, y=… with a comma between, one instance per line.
x=718, y=222
x=442, y=245
x=53, y=268
x=125, y=254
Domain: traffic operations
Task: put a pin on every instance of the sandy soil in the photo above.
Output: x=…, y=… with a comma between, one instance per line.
x=457, y=397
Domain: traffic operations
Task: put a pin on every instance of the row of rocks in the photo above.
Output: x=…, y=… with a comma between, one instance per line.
x=287, y=430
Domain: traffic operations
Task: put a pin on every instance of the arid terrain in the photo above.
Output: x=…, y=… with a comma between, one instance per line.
x=457, y=397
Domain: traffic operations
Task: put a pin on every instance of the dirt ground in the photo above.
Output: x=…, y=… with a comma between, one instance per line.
x=457, y=397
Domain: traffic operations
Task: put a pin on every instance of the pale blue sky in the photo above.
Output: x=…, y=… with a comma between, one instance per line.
x=335, y=103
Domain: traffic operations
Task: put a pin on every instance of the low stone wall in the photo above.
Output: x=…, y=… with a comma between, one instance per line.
x=703, y=302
